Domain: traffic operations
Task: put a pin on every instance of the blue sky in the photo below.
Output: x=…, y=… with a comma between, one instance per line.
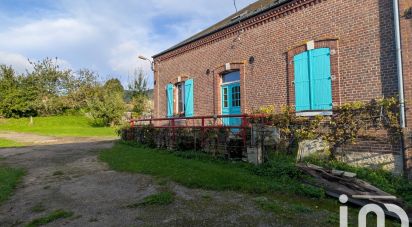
x=103, y=35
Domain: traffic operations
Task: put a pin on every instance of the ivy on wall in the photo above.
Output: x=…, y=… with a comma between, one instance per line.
x=346, y=124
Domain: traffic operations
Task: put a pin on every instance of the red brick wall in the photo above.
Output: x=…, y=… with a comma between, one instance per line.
x=366, y=64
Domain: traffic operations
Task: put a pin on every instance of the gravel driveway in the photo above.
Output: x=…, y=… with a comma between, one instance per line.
x=65, y=173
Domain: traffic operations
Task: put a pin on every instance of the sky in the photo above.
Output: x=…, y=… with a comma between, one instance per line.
x=105, y=36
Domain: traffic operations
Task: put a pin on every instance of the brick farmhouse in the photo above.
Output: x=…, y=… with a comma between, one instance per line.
x=310, y=54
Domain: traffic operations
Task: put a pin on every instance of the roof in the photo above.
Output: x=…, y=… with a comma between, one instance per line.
x=249, y=11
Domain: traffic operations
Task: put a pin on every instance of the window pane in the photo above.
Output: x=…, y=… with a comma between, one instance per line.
x=225, y=96
x=231, y=77
x=181, y=97
x=236, y=96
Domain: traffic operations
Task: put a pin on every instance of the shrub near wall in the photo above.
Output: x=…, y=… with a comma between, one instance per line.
x=345, y=126
x=217, y=142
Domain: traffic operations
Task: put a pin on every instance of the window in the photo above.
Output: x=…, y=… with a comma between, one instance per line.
x=231, y=77
x=236, y=96
x=313, y=81
x=181, y=94
x=181, y=98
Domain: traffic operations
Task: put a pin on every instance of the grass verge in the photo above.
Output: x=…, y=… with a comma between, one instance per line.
x=79, y=126
x=9, y=178
x=159, y=199
x=9, y=143
x=53, y=216
x=198, y=171
x=284, y=209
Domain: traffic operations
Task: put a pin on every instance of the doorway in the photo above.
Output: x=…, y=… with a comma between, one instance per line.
x=231, y=101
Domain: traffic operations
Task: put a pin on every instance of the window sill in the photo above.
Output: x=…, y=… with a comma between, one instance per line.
x=314, y=113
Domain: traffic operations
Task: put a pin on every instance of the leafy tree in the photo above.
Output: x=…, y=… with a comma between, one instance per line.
x=114, y=85
x=16, y=99
x=106, y=107
x=82, y=86
x=139, y=92
x=50, y=90
x=50, y=83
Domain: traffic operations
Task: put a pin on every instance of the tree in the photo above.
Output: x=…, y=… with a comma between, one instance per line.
x=106, y=107
x=50, y=90
x=114, y=85
x=16, y=99
x=139, y=92
x=82, y=86
x=50, y=83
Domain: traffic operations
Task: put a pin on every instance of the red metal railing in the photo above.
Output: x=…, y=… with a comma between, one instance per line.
x=193, y=123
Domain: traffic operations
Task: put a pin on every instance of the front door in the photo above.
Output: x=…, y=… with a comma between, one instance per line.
x=231, y=103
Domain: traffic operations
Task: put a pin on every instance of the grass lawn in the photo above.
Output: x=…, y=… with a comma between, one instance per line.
x=201, y=171
x=9, y=178
x=9, y=143
x=57, y=126
x=276, y=185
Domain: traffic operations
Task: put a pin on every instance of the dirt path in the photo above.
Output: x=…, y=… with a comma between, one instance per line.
x=33, y=139
x=69, y=176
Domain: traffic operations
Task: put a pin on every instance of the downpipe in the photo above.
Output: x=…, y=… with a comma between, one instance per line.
x=400, y=78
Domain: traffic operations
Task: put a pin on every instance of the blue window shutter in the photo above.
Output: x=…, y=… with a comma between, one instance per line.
x=302, y=81
x=321, y=80
x=189, y=98
x=169, y=94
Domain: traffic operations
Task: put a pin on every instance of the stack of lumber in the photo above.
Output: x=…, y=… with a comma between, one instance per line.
x=336, y=183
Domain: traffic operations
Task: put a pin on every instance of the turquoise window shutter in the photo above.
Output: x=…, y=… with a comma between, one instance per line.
x=321, y=79
x=302, y=82
x=169, y=94
x=189, y=98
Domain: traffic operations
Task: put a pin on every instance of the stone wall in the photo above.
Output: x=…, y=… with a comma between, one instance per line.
x=373, y=149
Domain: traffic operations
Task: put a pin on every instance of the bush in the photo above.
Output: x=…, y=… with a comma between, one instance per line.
x=282, y=167
x=149, y=135
x=106, y=107
x=279, y=165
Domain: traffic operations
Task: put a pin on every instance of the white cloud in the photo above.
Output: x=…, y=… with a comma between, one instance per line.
x=46, y=33
x=19, y=62
x=106, y=36
x=124, y=58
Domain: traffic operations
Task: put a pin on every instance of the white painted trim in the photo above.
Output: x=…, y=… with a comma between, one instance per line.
x=232, y=82
x=310, y=45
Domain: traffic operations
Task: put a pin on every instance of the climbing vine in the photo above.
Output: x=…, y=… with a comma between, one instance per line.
x=350, y=120
x=346, y=124
x=292, y=128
